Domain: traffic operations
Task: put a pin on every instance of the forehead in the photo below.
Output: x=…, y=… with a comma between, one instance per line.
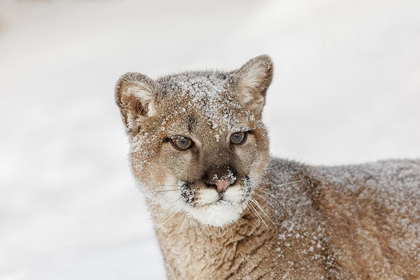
x=195, y=100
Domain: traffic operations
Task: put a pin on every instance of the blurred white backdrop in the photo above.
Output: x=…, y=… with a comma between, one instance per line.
x=346, y=90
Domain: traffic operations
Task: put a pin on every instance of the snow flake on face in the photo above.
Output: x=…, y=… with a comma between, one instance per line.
x=205, y=107
x=187, y=193
x=210, y=94
x=228, y=177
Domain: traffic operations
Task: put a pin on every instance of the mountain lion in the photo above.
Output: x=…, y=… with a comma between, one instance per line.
x=224, y=209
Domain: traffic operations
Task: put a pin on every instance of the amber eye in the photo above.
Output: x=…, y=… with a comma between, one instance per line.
x=181, y=143
x=238, y=138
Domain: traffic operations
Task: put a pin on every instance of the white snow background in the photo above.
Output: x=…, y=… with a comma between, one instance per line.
x=346, y=90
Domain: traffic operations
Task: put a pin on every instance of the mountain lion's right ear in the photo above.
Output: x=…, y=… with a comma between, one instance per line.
x=135, y=95
x=252, y=81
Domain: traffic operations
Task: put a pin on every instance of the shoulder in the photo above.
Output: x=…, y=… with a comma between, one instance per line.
x=384, y=170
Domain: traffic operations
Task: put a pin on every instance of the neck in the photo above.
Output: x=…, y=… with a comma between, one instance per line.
x=190, y=248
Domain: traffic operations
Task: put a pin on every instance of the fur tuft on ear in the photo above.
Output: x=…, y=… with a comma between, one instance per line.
x=135, y=95
x=252, y=81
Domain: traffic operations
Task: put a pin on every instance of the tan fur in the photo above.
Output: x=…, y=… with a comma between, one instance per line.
x=278, y=219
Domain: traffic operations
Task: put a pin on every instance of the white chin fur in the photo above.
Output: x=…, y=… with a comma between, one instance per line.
x=218, y=214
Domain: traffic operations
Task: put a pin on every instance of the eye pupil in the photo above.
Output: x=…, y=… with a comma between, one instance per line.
x=181, y=143
x=238, y=138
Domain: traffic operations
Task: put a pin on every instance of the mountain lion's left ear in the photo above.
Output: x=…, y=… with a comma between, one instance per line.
x=136, y=95
x=252, y=81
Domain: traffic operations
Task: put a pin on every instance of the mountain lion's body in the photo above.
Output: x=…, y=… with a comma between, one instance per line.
x=224, y=210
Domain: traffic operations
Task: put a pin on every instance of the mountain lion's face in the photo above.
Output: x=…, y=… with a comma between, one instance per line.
x=197, y=141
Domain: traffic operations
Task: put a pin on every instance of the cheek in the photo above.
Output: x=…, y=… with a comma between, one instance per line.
x=160, y=169
x=152, y=174
x=178, y=164
x=254, y=156
x=247, y=154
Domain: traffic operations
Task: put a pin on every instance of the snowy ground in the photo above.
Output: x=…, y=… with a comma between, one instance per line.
x=346, y=90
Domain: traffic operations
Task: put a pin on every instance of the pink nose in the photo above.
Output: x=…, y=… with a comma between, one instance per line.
x=222, y=185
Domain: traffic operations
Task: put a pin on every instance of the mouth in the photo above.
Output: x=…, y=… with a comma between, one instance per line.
x=200, y=195
x=217, y=204
x=212, y=207
x=217, y=212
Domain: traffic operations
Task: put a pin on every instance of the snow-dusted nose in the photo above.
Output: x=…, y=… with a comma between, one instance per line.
x=220, y=178
x=222, y=185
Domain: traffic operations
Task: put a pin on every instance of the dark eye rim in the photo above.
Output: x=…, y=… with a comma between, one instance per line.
x=173, y=143
x=245, y=133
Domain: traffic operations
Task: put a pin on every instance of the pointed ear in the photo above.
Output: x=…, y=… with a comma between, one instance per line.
x=136, y=96
x=252, y=81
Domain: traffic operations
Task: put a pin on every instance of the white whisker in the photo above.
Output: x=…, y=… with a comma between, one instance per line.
x=269, y=203
x=258, y=215
x=170, y=217
x=262, y=210
x=174, y=202
x=160, y=186
x=252, y=214
x=183, y=219
x=265, y=192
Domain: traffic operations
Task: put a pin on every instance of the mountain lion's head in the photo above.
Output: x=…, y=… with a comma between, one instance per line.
x=197, y=141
